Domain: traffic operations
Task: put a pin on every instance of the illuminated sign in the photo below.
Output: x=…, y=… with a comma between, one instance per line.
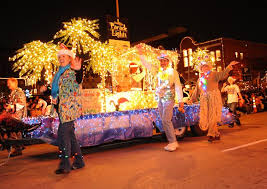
x=117, y=28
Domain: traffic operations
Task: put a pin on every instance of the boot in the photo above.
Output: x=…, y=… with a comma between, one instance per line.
x=16, y=153
x=211, y=138
x=238, y=122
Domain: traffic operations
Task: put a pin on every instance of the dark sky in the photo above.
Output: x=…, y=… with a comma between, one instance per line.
x=24, y=21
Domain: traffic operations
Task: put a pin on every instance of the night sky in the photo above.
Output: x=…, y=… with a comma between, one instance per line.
x=23, y=21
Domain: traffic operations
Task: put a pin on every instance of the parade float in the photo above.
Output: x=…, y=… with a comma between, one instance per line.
x=125, y=110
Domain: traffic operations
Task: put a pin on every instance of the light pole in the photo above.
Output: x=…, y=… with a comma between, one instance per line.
x=117, y=9
x=181, y=51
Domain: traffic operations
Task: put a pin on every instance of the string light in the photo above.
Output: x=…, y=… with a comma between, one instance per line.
x=35, y=57
x=95, y=129
x=200, y=57
x=80, y=34
x=203, y=81
x=136, y=100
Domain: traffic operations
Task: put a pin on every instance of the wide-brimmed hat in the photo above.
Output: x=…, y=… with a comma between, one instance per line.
x=65, y=51
x=163, y=56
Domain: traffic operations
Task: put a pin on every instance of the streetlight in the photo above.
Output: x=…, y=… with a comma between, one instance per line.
x=181, y=51
x=171, y=32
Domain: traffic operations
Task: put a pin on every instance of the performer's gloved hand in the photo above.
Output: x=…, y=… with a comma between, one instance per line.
x=232, y=64
x=181, y=107
x=160, y=91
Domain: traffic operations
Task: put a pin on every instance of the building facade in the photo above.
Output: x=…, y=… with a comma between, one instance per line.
x=252, y=57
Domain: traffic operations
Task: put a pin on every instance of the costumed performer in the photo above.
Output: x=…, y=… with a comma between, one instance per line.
x=210, y=96
x=66, y=95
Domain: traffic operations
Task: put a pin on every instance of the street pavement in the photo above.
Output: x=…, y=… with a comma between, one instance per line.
x=238, y=160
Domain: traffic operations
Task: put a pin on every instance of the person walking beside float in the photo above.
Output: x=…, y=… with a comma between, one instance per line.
x=210, y=95
x=233, y=92
x=66, y=96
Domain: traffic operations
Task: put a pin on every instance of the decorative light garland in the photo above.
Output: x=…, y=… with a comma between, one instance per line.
x=95, y=129
x=203, y=81
x=35, y=57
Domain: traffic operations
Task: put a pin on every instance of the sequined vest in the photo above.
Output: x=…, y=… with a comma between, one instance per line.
x=169, y=91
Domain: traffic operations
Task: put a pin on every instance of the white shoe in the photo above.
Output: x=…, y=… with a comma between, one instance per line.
x=171, y=146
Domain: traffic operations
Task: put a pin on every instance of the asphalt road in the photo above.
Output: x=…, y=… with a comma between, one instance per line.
x=238, y=160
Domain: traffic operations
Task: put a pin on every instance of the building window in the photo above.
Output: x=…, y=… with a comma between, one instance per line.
x=212, y=55
x=190, y=56
x=190, y=52
x=190, y=60
x=236, y=54
x=185, y=52
x=218, y=55
x=185, y=62
x=241, y=56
